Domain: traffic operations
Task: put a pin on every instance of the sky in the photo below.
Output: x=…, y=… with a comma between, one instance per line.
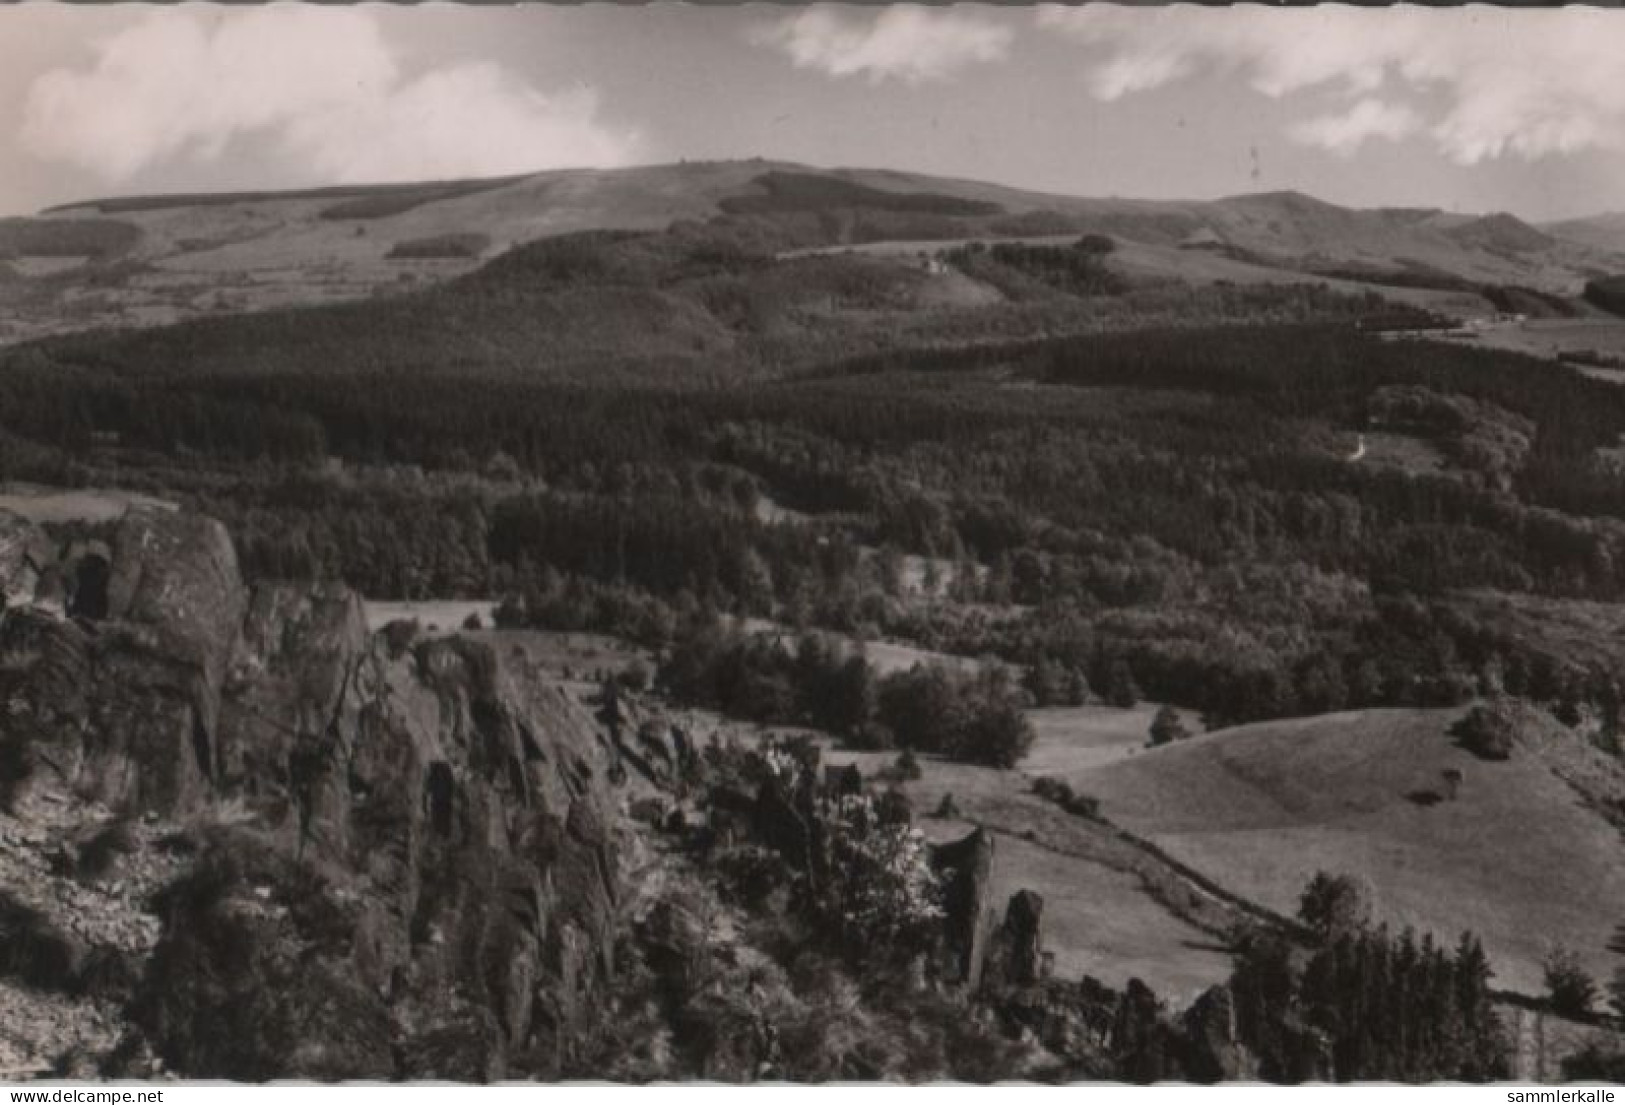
x=1469, y=109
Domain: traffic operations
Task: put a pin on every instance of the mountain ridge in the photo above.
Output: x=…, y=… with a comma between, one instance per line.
x=158, y=259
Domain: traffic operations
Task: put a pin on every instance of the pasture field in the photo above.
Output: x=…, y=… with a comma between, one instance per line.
x=54, y=506
x=1404, y=451
x=1550, y=338
x=1516, y=857
x=1166, y=262
x=1074, y=738
x=432, y=615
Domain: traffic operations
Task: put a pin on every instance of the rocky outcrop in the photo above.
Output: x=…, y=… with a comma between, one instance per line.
x=125, y=710
x=965, y=867
x=26, y=554
x=405, y=860
x=1214, y=1051
x=1019, y=942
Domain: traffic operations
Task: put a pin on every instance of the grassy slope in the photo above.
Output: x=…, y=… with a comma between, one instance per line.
x=1516, y=858
x=1073, y=738
x=50, y=505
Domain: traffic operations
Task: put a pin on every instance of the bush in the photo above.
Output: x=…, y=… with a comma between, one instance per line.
x=1607, y=292
x=1051, y=789
x=1168, y=727
x=1333, y=906
x=1061, y=793
x=752, y=872
x=17, y=763
x=399, y=635
x=907, y=767
x=1489, y=731
x=1569, y=988
x=1595, y=1063
x=509, y=614
x=473, y=623
x=635, y=676
x=33, y=950
x=98, y=853
x=447, y=247
x=1616, y=992
x=1121, y=689
x=884, y=893
x=872, y=736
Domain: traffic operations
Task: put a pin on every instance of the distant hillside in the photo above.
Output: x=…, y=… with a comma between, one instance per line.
x=1599, y=231
x=698, y=302
x=183, y=256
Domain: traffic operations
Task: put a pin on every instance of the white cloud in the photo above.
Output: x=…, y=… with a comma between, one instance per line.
x=321, y=86
x=1498, y=82
x=902, y=42
x=1346, y=132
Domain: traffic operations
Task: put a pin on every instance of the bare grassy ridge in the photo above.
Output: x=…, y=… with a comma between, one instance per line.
x=97, y=239
x=457, y=247
x=419, y=191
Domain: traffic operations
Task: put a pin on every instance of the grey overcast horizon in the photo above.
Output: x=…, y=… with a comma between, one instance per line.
x=1473, y=109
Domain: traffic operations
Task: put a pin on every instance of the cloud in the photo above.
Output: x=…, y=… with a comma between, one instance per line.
x=903, y=42
x=1346, y=132
x=1496, y=82
x=321, y=86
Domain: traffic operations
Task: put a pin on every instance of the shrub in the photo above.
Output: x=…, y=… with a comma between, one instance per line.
x=752, y=872
x=907, y=767
x=1061, y=793
x=98, y=853
x=885, y=893
x=440, y=247
x=1051, y=789
x=1490, y=730
x=872, y=736
x=1168, y=727
x=1121, y=689
x=1607, y=292
x=1569, y=988
x=1334, y=905
x=472, y=622
x=399, y=635
x=1595, y=1063
x=635, y=676
x=33, y=950
x=1084, y=805
x=17, y=763
x=509, y=614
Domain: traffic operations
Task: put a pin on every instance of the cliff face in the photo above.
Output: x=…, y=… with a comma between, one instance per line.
x=340, y=854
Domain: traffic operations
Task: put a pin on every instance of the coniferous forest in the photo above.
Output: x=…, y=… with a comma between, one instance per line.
x=1239, y=503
